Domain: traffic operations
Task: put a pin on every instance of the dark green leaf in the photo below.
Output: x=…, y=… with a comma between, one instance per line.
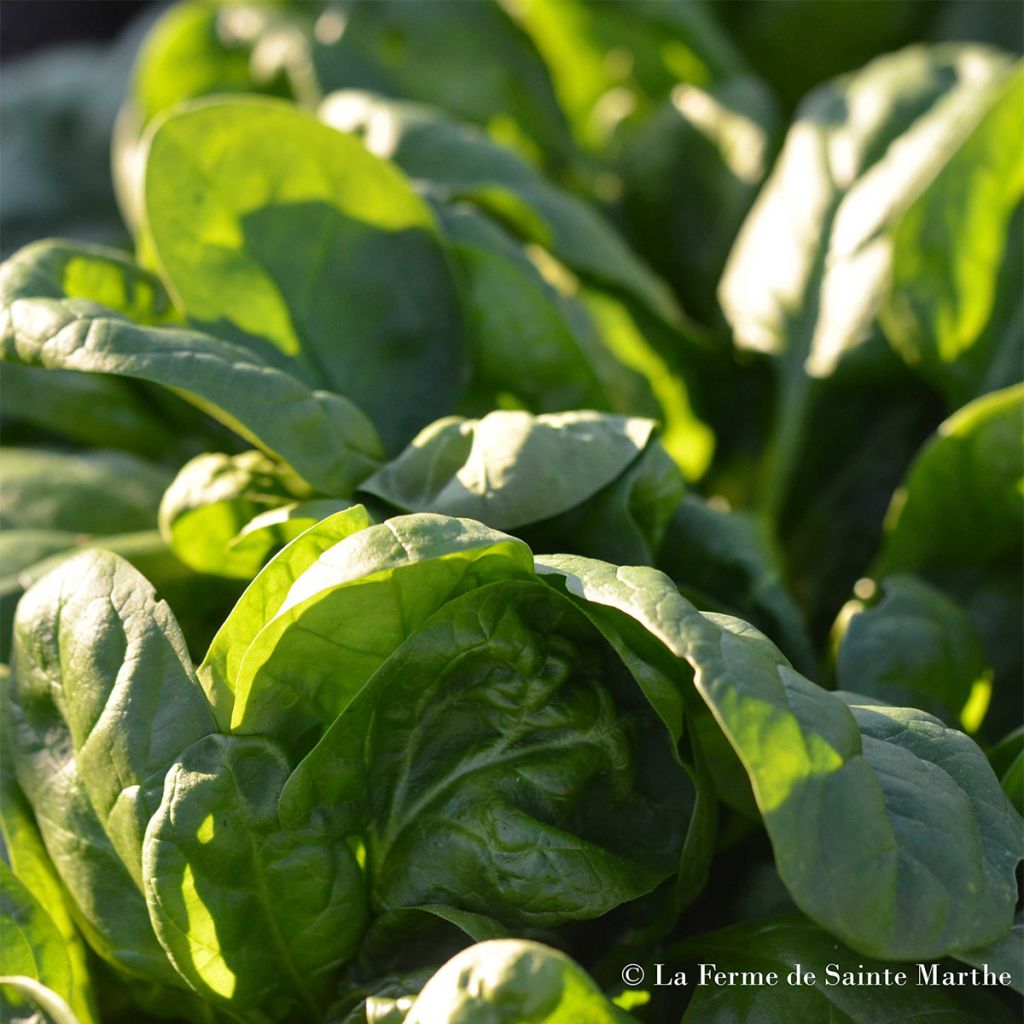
x=251, y=917
x=274, y=230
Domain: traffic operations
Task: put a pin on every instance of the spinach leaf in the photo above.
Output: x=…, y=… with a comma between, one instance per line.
x=915, y=647
x=510, y=469
x=975, y=454
x=906, y=811
x=95, y=651
x=47, y=322
x=425, y=52
x=30, y=944
x=457, y=162
x=792, y=943
x=250, y=917
x=813, y=261
x=212, y=498
x=510, y=980
x=503, y=762
x=948, y=256
x=261, y=602
x=350, y=609
x=727, y=561
x=275, y=231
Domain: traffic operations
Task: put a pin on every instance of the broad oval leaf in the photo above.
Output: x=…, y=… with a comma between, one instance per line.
x=30, y=943
x=103, y=699
x=212, y=498
x=351, y=608
x=503, y=762
x=322, y=436
x=271, y=227
x=96, y=492
x=977, y=456
x=949, y=249
x=889, y=829
x=915, y=647
x=510, y=469
x=261, y=602
x=458, y=162
x=812, y=262
x=250, y=917
x=508, y=981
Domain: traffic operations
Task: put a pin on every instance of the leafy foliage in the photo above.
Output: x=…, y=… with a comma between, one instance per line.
x=495, y=494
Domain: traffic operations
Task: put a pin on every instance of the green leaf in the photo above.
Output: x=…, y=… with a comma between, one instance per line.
x=459, y=163
x=510, y=469
x=524, y=348
x=976, y=455
x=1006, y=955
x=322, y=436
x=616, y=61
x=25, y=853
x=889, y=829
x=948, y=252
x=212, y=498
x=92, y=492
x=261, y=602
x=917, y=648
x=695, y=165
x=188, y=53
x=271, y=227
x=503, y=762
x=251, y=918
x=30, y=943
x=508, y=981
x=426, y=52
x=103, y=700
x=265, y=534
x=88, y=409
x=728, y=561
x=788, y=944
x=813, y=261
x=351, y=608
x=624, y=522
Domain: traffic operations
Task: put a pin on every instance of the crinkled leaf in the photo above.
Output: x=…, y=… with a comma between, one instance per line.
x=322, y=436
x=103, y=699
x=503, y=762
x=273, y=229
x=250, y=917
x=889, y=829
